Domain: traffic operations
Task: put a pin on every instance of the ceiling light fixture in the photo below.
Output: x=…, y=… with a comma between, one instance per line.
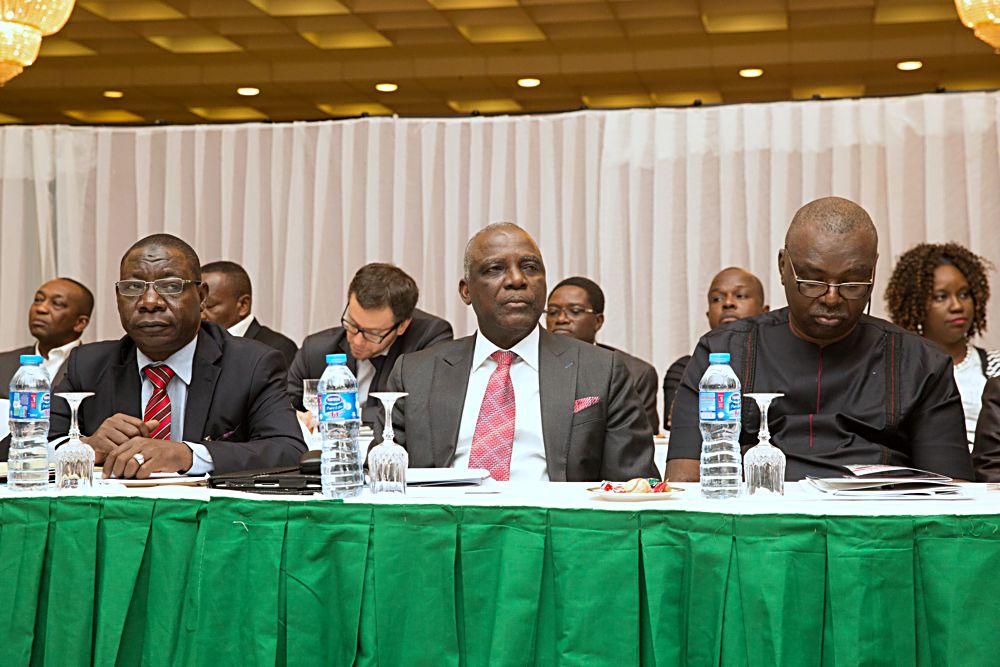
x=529, y=82
x=386, y=87
x=113, y=94
x=248, y=91
x=22, y=26
x=983, y=16
x=909, y=65
x=751, y=72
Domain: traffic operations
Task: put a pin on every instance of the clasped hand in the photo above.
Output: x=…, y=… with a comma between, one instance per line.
x=121, y=437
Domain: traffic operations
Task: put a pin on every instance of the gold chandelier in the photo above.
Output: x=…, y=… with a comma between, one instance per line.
x=983, y=16
x=22, y=25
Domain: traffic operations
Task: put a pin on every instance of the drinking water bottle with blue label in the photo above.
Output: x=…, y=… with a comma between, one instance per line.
x=719, y=406
x=28, y=461
x=339, y=421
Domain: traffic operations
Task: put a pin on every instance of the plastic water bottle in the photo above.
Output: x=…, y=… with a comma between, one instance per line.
x=339, y=421
x=28, y=461
x=719, y=407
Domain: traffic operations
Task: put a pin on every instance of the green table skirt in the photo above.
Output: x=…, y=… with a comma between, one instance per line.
x=126, y=581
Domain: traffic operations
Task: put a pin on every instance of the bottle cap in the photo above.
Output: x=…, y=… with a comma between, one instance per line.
x=336, y=359
x=718, y=358
x=32, y=359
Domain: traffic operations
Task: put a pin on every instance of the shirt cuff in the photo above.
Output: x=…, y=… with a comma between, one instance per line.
x=201, y=460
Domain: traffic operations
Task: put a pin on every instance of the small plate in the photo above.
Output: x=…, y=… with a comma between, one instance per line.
x=634, y=497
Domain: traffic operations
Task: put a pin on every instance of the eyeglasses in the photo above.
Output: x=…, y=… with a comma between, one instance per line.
x=371, y=336
x=163, y=286
x=572, y=312
x=814, y=289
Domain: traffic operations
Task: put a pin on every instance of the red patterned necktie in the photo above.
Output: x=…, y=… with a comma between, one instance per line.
x=159, y=403
x=493, y=440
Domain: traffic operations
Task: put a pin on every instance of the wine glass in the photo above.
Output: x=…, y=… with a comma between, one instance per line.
x=388, y=461
x=310, y=399
x=74, y=460
x=764, y=464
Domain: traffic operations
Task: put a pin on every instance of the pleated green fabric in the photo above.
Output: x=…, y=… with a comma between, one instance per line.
x=138, y=581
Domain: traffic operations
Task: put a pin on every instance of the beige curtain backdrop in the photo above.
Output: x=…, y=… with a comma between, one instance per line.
x=650, y=202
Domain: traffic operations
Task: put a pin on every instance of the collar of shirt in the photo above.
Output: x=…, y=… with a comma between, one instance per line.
x=181, y=362
x=240, y=328
x=59, y=353
x=526, y=349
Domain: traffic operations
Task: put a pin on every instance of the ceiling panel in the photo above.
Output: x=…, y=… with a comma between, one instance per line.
x=182, y=60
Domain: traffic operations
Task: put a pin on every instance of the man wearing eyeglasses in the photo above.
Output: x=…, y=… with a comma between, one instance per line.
x=576, y=308
x=857, y=389
x=176, y=394
x=379, y=323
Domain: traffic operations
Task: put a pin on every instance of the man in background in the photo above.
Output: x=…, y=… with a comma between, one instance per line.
x=229, y=304
x=379, y=323
x=58, y=316
x=735, y=293
x=576, y=308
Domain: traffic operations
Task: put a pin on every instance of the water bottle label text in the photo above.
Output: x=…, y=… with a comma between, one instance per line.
x=338, y=405
x=29, y=405
x=719, y=406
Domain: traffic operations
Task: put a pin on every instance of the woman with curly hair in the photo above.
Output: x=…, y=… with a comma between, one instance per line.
x=940, y=290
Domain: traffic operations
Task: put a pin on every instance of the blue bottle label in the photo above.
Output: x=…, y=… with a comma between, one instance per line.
x=338, y=405
x=719, y=406
x=29, y=405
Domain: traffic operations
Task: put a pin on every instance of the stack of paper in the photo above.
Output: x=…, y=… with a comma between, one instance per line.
x=879, y=482
x=445, y=476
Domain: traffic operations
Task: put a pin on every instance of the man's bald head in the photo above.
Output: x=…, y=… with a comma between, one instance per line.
x=831, y=217
x=735, y=293
x=832, y=241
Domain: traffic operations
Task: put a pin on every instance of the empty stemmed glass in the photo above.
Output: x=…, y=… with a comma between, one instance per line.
x=74, y=460
x=387, y=462
x=764, y=464
x=310, y=399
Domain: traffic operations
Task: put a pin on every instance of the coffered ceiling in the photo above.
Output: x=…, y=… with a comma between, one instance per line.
x=181, y=61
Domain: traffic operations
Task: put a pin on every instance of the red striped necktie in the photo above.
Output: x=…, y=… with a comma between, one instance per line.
x=493, y=439
x=159, y=403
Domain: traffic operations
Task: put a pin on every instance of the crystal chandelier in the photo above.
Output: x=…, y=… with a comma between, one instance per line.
x=983, y=16
x=22, y=25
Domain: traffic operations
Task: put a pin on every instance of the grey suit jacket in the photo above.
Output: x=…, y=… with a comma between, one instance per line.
x=609, y=440
x=11, y=361
x=646, y=383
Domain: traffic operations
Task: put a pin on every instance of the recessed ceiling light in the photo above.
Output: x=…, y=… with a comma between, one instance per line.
x=751, y=72
x=113, y=94
x=529, y=82
x=386, y=87
x=909, y=65
x=248, y=91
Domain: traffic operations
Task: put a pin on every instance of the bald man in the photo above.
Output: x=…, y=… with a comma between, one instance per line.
x=58, y=316
x=857, y=389
x=735, y=293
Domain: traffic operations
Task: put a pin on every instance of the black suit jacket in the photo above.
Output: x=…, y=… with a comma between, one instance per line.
x=609, y=440
x=236, y=404
x=424, y=331
x=646, y=383
x=11, y=361
x=258, y=332
x=986, y=451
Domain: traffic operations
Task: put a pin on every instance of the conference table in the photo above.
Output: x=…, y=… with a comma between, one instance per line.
x=499, y=574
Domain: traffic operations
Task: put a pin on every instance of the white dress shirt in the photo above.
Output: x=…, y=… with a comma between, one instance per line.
x=527, y=461
x=57, y=356
x=366, y=374
x=181, y=363
x=971, y=382
x=240, y=328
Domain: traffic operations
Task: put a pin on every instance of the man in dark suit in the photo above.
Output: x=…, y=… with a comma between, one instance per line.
x=58, y=315
x=229, y=304
x=176, y=394
x=379, y=323
x=735, y=293
x=576, y=308
x=513, y=398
